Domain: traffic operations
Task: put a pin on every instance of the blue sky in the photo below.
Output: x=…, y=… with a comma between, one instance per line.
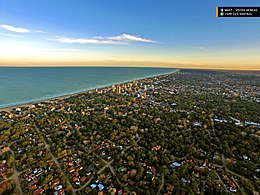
x=184, y=33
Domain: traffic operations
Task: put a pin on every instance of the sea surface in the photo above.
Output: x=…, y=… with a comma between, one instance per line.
x=25, y=85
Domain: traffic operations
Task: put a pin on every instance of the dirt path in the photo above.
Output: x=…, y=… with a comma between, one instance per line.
x=241, y=189
x=85, y=184
x=220, y=180
x=47, y=146
x=233, y=173
x=162, y=184
x=15, y=177
x=108, y=164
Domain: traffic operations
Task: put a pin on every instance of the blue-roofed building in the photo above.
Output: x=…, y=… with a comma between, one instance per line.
x=175, y=164
x=93, y=185
x=100, y=186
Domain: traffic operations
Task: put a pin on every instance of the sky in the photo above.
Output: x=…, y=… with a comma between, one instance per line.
x=156, y=33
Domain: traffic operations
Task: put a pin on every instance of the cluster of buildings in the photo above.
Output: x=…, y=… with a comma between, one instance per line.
x=137, y=89
x=3, y=169
x=74, y=165
x=155, y=148
x=228, y=184
x=33, y=180
x=199, y=168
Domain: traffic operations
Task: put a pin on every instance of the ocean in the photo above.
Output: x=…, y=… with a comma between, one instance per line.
x=25, y=85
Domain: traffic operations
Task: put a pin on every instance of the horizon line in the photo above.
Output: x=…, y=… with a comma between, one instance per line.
x=120, y=66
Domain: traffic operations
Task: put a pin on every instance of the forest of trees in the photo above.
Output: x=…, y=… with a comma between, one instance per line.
x=183, y=138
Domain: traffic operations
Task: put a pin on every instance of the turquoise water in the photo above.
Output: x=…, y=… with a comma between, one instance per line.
x=24, y=85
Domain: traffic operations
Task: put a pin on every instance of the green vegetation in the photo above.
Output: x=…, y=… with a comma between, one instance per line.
x=188, y=132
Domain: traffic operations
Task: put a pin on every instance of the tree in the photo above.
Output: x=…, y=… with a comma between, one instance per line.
x=10, y=161
x=48, y=179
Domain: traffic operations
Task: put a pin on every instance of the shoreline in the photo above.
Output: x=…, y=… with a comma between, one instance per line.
x=66, y=96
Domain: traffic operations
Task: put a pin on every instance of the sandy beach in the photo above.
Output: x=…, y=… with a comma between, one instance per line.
x=29, y=104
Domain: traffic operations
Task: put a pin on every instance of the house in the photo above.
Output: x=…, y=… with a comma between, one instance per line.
x=58, y=187
x=93, y=186
x=246, y=157
x=170, y=188
x=80, y=168
x=5, y=149
x=10, y=115
x=35, y=180
x=197, y=124
x=61, y=192
x=112, y=190
x=76, y=174
x=71, y=170
x=175, y=164
x=56, y=181
x=120, y=192
x=156, y=148
x=75, y=179
x=83, y=179
x=232, y=189
x=220, y=121
x=33, y=187
x=38, y=191
x=100, y=186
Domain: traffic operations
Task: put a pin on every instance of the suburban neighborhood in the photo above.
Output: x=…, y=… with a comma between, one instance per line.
x=189, y=132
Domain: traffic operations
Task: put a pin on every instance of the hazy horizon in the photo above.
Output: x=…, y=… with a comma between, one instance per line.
x=148, y=65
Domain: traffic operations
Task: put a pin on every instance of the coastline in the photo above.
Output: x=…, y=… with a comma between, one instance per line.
x=66, y=96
